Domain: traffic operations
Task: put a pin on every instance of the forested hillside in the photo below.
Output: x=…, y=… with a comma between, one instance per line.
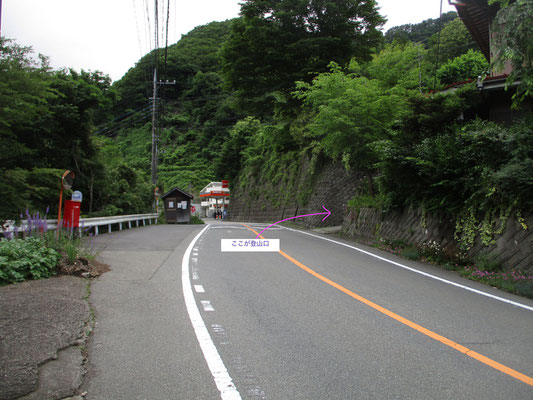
x=252, y=97
x=195, y=114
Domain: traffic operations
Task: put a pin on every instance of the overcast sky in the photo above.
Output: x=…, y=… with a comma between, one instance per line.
x=111, y=35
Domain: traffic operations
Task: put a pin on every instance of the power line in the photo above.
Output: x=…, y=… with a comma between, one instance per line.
x=155, y=137
x=147, y=31
x=112, y=132
x=125, y=116
x=166, y=40
x=438, y=48
x=137, y=26
x=156, y=31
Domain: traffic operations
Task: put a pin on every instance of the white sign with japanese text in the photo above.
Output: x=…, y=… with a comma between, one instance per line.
x=249, y=245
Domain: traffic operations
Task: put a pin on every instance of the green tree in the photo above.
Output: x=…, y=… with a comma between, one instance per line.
x=453, y=41
x=24, y=92
x=276, y=43
x=420, y=163
x=349, y=114
x=231, y=157
x=400, y=65
x=418, y=33
x=467, y=66
x=45, y=122
x=513, y=26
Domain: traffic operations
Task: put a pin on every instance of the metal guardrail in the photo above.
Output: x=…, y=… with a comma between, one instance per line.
x=109, y=221
x=95, y=223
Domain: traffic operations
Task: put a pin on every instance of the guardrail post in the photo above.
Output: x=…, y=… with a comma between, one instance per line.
x=137, y=222
x=129, y=224
x=96, y=230
x=109, y=228
x=120, y=225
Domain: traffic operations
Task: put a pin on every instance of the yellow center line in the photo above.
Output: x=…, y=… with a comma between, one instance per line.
x=456, y=346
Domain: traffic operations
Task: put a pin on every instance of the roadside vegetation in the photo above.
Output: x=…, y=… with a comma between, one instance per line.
x=34, y=252
x=485, y=269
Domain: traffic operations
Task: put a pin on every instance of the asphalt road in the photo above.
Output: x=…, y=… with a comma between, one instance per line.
x=322, y=321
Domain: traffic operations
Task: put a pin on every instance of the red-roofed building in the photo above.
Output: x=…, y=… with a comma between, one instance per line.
x=215, y=198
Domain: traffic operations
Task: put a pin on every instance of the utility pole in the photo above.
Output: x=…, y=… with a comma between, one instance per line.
x=154, y=96
x=154, y=130
x=155, y=133
x=155, y=99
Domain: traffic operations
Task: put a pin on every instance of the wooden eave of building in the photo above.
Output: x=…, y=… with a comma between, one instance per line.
x=477, y=16
x=178, y=190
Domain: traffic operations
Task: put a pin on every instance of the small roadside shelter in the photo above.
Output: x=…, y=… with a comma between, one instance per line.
x=177, y=206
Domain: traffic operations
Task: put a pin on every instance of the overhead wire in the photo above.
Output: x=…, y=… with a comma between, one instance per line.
x=137, y=26
x=129, y=123
x=156, y=29
x=147, y=31
x=166, y=39
x=125, y=119
x=120, y=117
x=438, y=48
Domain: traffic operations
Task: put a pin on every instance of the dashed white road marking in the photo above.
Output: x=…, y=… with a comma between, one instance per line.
x=206, y=304
x=223, y=381
x=199, y=289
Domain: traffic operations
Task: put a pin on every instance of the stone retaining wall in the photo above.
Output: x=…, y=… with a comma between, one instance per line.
x=333, y=186
x=513, y=247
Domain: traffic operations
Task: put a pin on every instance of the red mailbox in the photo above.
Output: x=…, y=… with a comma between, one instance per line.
x=71, y=217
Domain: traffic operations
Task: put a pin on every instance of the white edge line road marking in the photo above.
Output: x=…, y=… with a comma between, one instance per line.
x=504, y=300
x=223, y=381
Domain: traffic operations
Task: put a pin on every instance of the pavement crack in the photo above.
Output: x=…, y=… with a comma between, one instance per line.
x=160, y=265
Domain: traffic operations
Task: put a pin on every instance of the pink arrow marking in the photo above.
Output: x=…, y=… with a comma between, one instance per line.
x=327, y=213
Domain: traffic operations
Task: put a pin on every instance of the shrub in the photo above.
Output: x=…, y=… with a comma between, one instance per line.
x=467, y=66
x=196, y=220
x=71, y=251
x=524, y=288
x=29, y=258
x=433, y=252
x=488, y=262
x=411, y=253
x=513, y=281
